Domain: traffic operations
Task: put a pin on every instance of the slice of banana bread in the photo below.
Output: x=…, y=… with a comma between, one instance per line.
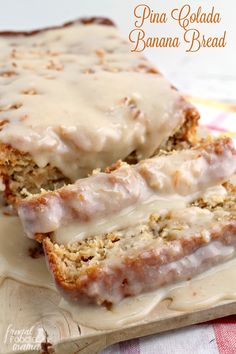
x=74, y=98
x=169, y=246
x=105, y=201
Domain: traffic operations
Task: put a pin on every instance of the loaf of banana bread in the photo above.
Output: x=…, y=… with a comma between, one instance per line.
x=75, y=98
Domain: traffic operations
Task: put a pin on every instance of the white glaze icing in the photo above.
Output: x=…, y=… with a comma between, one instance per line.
x=15, y=260
x=77, y=98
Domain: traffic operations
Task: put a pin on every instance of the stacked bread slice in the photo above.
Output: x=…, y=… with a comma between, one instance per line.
x=168, y=247
x=136, y=228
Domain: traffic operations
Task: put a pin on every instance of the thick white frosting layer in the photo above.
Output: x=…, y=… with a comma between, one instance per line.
x=77, y=98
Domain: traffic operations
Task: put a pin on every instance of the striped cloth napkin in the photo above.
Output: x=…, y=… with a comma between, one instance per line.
x=218, y=117
x=215, y=337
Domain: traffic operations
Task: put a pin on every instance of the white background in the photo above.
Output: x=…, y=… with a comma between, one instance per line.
x=209, y=72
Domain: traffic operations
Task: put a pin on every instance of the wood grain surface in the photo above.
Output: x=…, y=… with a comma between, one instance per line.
x=36, y=309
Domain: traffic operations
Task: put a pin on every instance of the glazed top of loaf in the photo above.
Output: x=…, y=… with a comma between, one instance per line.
x=77, y=97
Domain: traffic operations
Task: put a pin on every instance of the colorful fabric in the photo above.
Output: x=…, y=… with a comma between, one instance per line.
x=215, y=337
x=219, y=118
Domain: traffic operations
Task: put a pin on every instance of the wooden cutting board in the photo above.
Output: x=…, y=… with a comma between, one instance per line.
x=36, y=310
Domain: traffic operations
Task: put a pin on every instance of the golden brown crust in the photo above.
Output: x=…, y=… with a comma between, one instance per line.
x=188, y=131
x=83, y=20
x=216, y=145
x=184, y=137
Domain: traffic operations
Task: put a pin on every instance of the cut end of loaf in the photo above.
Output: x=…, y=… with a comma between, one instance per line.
x=106, y=268
x=22, y=177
